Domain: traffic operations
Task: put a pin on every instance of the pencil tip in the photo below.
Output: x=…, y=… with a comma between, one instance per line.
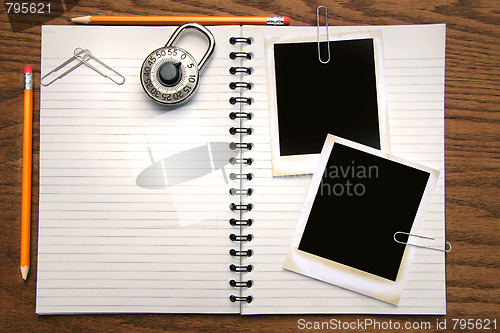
x=24, y=272
x=69, y=20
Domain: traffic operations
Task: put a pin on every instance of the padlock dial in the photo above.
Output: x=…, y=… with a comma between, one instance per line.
x=169, y=75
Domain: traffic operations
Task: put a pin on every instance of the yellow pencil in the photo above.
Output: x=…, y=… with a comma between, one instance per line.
x=26, y=185
x=178, y=20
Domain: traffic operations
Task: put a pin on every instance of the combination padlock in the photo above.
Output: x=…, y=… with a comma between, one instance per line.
x=170, y=75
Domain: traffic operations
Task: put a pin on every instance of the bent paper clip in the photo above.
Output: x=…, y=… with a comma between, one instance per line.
x=446, y=249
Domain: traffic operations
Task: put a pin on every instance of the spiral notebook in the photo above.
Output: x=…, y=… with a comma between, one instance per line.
x=126, y=225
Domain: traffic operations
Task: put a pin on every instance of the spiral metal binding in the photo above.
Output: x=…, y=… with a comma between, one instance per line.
x=246, y=223
x=246, y=40
x=243, y=70
x=246, y=176
x=241, y=238
x=236, y=253
x=243, y=115
x=241, y=191
x=242, y=145
x=235, y=268
x=247, y=284
x=247, y=299
x=245, y=55
x=247, y=161
x=234, y=100
x=240, y=84
x=243, y=130
x=235, y=207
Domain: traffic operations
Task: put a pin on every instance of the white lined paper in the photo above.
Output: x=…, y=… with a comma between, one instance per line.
x=106, y=243
x=414, y=69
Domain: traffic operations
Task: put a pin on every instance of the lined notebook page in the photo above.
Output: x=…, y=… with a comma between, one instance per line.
x=414, y=68
x=112, y=236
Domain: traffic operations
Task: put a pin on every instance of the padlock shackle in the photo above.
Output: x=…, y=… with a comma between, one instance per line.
x=202, y=29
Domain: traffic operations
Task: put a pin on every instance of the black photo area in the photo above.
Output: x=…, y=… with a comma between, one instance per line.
x=361, y=202
x=314, y=99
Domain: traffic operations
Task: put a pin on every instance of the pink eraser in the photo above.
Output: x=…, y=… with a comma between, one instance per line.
x=28, y=69
x=286, y=20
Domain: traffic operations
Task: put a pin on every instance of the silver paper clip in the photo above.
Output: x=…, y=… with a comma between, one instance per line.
x=446, y=249
x=63, y=65
x=82, y=57
x=327, y=35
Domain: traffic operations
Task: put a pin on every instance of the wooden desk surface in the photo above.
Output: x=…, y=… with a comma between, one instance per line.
x=472, y=158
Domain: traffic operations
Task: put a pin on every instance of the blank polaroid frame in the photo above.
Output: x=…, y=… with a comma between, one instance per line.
x=308, y=100
x=357, y=251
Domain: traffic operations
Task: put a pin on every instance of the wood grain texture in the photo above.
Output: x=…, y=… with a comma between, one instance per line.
x=472, y=127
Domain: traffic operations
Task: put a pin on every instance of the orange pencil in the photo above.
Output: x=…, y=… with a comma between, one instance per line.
x=26, y=185
x=178, y=20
